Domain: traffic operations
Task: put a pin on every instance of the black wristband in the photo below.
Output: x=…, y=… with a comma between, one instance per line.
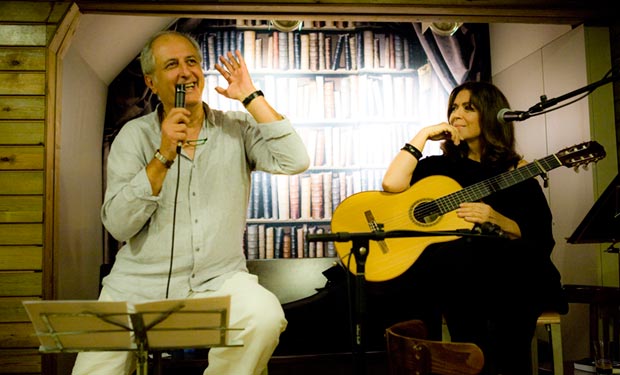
x=251, y=97
x=412, y=150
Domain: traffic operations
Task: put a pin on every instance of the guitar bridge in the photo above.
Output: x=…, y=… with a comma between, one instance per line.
x=376, y=227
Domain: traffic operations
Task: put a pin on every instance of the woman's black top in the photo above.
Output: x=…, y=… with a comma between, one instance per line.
x=495, y=273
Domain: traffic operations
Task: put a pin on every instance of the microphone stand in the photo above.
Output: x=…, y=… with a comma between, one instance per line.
x=546, y=103
x=360, y=250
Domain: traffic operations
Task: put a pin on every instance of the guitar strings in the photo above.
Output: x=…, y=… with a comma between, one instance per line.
x=475, y=192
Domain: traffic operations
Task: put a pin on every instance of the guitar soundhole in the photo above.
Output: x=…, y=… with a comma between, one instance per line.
x=424, y=212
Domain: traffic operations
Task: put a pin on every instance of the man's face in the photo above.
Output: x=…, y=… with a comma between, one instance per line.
x=176, y=62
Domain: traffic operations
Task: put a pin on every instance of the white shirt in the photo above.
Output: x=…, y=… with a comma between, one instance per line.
x=211, y=206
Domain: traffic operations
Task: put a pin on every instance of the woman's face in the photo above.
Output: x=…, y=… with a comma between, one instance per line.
x=465, y=117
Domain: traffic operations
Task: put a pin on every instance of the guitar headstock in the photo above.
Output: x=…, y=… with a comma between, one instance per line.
x=581, y=154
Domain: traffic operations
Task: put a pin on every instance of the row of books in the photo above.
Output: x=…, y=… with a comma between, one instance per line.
x=253, y=23
x=312, y=50
x=358, y=146
x=312, y=196
x=360, y=97
x=306, y=25
x=275, y=242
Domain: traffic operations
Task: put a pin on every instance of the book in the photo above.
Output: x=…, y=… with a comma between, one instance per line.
x=294, y=196
x=261, y=241
x=368, y=49
x=278, y=239
x=251, y=242
x=286, y=242
x=304, y=63
x=305, y=197
x=338, y=52
x=321, y=51
x=284, y=211
x=269, y=243
x=587, y=365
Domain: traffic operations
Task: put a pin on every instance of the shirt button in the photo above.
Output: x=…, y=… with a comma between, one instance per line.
x=193, y=275
x=194, y=193
x=196, y=221
x=197, y=249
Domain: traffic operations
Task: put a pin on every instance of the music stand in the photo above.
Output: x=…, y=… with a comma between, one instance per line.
x=76, y=326
x=602, y=223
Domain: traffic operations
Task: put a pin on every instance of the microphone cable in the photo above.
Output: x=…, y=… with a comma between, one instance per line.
x=174, y=219
x=179, y=101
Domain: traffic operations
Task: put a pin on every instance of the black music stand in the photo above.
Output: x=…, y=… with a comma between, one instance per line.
x=602, y=223
x=360, y=249
x=76, y=326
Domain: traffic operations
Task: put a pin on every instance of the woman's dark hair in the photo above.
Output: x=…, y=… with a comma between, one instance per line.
x=497, y=141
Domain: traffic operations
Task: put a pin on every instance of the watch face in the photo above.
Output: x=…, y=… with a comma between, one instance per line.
x=162, y=158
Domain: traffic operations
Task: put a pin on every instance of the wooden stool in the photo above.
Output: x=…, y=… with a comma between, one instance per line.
x=409, y=352
x=551, y=321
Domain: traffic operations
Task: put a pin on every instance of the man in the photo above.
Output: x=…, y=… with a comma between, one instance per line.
x=183, y=232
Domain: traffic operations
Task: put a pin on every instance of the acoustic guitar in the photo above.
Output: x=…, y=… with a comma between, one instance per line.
x=429, y=205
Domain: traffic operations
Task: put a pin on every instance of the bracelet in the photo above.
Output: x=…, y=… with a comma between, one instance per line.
x=412, y=150
x=251, y=97
x=167, y=163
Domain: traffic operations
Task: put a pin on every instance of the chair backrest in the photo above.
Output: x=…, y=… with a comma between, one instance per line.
x=409, y=352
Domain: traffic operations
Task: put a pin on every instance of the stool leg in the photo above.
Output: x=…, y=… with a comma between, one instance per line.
x=534, y=351
x=555, y=337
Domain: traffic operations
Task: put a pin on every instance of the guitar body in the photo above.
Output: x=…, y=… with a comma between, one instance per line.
x=394, y=211
x=429, y=205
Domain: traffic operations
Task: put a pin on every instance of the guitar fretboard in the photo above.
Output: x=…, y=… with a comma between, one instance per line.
x=502, y=181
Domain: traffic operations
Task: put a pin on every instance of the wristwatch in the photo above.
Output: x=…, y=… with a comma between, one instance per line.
x=167, y=163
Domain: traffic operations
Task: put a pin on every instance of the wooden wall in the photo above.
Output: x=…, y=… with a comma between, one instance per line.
x=25, y=32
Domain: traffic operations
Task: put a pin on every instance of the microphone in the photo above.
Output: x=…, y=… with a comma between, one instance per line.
x=179, y=102
x=506, y=115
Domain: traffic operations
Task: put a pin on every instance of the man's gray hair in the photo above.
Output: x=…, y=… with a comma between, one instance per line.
x=147, y=60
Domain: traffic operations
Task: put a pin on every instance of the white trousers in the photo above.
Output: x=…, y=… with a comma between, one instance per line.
x=252, y=307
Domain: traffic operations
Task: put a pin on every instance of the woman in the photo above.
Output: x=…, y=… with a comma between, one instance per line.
x=490, y=289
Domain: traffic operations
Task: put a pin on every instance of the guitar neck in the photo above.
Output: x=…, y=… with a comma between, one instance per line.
x=502, y=181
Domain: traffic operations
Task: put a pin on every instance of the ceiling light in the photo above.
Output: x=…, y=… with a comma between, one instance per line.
x=286, y=26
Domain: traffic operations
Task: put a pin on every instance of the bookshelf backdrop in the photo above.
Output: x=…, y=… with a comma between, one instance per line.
x=356, y=92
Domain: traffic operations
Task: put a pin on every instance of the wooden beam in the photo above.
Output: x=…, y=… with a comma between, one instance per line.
x=531, y=11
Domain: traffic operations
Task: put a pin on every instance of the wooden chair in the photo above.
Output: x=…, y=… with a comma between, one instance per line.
x=409, y=352
x=551, y=321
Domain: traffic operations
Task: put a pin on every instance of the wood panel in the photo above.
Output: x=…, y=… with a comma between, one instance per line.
x=12, y=309
x=14, y=258
x=15, y=132
x=530, y=11
x=22, y=83
x=22, y=182
x=21, y=158
x=25, y=58
x=22, y=108
x=23, y=35
x=15, y=284
x=20, y=361
x=25, y=11
x=21, y=234
x=17, y=335
x=21, y=208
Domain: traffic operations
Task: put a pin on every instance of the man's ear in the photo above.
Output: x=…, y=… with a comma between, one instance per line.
x=149, y=83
